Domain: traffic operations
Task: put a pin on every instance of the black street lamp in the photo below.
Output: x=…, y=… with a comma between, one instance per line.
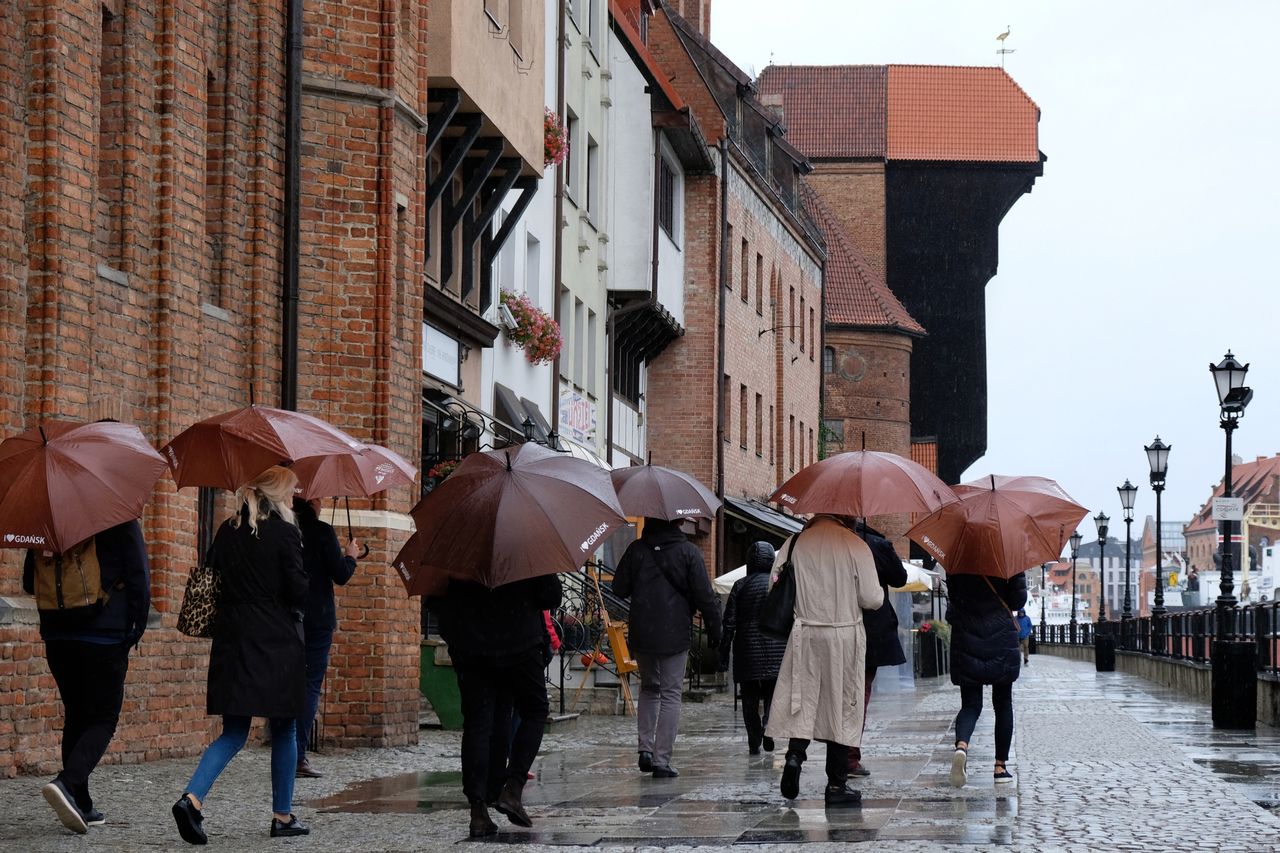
x=1075, y=540
x=1044, y=567
x=1101, y=521
x=1158, y=461
x=1235, y=685
x=1128, y=492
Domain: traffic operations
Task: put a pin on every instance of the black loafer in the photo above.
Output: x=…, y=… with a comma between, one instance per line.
x=93, y=817
x=665, y=773
x=843, y=797
x=64, y=805
x=280, y=829
x=645, y=762
x=767, y=743
x=790, y=786
x=190, y=821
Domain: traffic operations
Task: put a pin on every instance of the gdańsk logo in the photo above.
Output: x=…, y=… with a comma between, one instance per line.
x=933, y=546
x=591, y=540
x=23, y=539
x=694, y=511
x=788, y=498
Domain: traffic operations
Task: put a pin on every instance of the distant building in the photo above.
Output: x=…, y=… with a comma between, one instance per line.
x=1258, y=483
x=1113, y=572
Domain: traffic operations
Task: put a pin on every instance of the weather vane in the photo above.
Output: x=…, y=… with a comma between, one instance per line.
x=1004, y=51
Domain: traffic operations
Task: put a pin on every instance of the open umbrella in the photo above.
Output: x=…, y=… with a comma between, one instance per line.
x=505, y=515
x=656, y=492
x=919, y=579
x=863, y=483
x=63, y=482
x=228, y=450
x=1001, y=526
x=356, y=472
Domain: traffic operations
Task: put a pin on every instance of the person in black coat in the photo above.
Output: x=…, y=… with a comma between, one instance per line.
x=326, y=564
x=883, y=646
x=756, y=657
x=984, y=650
x=257, y=663
x=663, y=574
x=497, y=642
x=89, y=662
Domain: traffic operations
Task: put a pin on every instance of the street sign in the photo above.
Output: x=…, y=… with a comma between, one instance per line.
x=1228, y=509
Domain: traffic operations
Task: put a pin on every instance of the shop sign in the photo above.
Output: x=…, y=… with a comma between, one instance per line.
x=577, y=418
x=440, y=355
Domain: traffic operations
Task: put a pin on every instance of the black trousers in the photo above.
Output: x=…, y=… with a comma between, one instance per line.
x=90, y=681
x=971, y=709
x=837, y=759
x=490, y=689
x=754, y=693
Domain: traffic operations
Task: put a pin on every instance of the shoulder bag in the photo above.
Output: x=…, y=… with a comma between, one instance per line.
x=778, y=613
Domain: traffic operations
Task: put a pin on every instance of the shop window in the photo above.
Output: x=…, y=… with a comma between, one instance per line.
x=742, y=417
x=667, y=198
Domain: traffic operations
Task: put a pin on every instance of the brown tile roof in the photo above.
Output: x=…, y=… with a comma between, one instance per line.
x=1255, y=481
x=628, y=27
x=831, y=110
x=905, y=112
x=960, y=114
x=855, y=294
x=925, y=452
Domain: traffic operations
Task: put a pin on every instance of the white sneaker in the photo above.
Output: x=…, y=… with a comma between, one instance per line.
x=959, y=773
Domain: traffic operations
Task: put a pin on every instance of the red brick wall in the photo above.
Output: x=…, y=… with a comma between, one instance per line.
x=187, y=314
x=854, y=193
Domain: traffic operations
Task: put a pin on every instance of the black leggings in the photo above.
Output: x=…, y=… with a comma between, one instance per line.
x=971, y=709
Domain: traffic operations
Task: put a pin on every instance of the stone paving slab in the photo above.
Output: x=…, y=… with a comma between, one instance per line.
x=1104, y=762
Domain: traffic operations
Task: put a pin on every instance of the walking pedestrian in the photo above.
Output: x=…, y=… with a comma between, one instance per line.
x=883, y=646
x=326, y=564
x=498, y=644
x=1024, y=636
x=89, y=658
x=257, y=663
x=663, y=574
x=820, y=685
x=756, y=657
x=984, y=651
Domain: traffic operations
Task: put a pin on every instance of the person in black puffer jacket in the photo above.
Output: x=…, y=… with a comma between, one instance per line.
x=883, y=646
x=756, y=657
x=665, y=577
x=984, y=650
x=496, y=641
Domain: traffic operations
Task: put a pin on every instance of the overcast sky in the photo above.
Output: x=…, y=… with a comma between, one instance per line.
x=1146, y=250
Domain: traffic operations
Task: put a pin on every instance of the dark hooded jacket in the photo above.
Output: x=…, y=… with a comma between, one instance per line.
x=883, y=646
x=756, y=657
x=984, y=635
x=325, y=564
x=663, y=574
x=495, y=625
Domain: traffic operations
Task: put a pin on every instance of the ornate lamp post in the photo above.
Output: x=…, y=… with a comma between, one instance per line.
x=1104, y=642
x=1044, y=587
x=1235, y=685
x=1101, y=521
x=1075, y=547
x=1158, y=461
x=1127, y=494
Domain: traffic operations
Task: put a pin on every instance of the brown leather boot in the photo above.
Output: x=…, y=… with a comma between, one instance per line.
x=481, y=823
x=509, y=803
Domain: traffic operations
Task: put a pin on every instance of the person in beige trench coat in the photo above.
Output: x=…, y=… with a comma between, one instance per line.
x=819, y=695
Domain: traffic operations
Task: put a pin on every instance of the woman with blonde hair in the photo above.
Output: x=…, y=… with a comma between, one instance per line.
x=257, y=663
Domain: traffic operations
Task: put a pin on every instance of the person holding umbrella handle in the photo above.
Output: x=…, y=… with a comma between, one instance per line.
x=326, y=564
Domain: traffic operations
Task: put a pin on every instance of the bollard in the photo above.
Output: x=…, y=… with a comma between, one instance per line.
x=1104, y=647
x=1235, y=684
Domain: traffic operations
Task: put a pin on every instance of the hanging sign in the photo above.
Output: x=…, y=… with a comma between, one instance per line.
x=1228, y=509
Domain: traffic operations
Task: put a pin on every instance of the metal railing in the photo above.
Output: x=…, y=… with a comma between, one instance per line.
x=1186, y=635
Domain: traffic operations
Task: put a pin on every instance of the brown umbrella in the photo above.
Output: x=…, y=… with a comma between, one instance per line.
x=359, y=473
x=63, y=482
x=505, y=515
x=656, y=492
x=864, y=483
x=228, y=450
x=1001, y=526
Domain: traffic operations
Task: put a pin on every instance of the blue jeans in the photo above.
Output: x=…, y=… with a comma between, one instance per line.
x=235, y=731
x=318, y=643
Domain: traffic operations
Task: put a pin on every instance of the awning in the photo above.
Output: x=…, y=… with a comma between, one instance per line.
x=577, y=451
x=754, y=512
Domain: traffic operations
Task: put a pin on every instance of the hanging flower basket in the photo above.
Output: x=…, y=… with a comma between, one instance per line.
x=535, y=332
x=441, y=470
x=555, y=142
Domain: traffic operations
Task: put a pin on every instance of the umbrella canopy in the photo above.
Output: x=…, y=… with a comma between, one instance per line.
x=1001, y=526
x=359, y=473
x=656, y=492
x=228, y=450
x=919, y=579
x=63, y=482
x=724, y=584
x=863, y=483
x=506, y=515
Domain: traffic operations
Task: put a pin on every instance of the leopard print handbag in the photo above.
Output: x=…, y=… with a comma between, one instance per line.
x=199, y=602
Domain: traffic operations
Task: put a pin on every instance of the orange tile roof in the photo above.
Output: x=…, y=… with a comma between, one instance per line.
x=831, y=110
x=905, y=112
x=960, y=114
x=1249, y=480
x=925, y=452
x=855, y=294
x=628, y=27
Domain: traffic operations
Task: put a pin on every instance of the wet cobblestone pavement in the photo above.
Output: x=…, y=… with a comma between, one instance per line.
x=1104, y=762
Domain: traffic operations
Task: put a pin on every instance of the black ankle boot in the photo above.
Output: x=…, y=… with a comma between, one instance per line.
x=841, y=796
x=481, y=823
x=509, y=803
x=790, y=786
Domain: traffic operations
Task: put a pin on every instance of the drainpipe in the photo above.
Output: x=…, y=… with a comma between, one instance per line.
x=557, y=263
x=292, y=201
x=822, y=360
x=721, y=402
